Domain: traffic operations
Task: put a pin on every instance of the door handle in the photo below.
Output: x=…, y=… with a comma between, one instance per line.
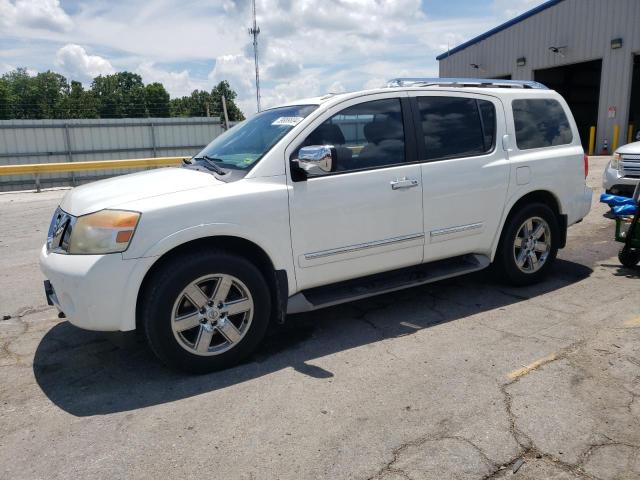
x=403, y=182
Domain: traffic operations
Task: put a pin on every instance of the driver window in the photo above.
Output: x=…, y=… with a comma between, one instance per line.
x=367, y=135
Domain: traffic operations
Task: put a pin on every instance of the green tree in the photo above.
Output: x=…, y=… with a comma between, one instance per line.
x=78, y=103
x=6, y=100
x=195, y=105
x=178, y=106
x=36, y=96
x=22, y=92
x=201, y=102
x=50, y=95
x=157, y=100
x=223, y=88
x=120, y=95
x=50, y=89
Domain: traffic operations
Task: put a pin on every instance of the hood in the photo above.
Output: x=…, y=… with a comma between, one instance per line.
x=630, y=148
x=117, y=191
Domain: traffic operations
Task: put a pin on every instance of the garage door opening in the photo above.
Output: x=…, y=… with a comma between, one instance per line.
x=579, y=84
x=634, y=104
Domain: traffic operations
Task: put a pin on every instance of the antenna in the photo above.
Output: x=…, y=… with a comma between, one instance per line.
x=254, y=31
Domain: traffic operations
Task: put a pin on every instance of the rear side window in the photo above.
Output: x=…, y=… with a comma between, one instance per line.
x=456, y=127
x=540, y=123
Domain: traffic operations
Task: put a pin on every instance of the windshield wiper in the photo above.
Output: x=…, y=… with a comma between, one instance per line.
x=211, y=164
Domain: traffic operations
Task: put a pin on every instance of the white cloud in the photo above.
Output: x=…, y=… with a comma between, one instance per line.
x=374, y=83
x=307, y=47
x=178, y=84
x=304, y=86
x=312, y=48
x=5, y=67
x=513, y=8
x=40, y=14
x=237, y=69
x=337, y=87
x=79, y=65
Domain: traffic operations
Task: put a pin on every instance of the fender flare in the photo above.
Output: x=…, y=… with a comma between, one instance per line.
x=207, y=230
x=513, y=201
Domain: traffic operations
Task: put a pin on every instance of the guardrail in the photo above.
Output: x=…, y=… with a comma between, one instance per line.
x=36, y=169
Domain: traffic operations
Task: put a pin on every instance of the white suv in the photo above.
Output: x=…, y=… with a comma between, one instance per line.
x=319, y=202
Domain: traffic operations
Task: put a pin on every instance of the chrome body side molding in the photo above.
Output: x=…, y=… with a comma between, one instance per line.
x=457, y=229
x=362, y=246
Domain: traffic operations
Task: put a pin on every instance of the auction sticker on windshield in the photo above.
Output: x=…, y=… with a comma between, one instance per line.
x=290, y=121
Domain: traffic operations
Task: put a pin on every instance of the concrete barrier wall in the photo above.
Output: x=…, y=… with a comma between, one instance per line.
x=44, y=141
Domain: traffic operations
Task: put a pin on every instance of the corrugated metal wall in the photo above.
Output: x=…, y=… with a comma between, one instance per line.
x=43, y=141
x=586, y=27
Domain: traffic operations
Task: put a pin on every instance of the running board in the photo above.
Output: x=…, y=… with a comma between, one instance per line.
x=356, y=289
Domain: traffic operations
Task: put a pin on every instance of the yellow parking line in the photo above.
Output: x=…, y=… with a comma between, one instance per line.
x=532, y=366
x=634, y=322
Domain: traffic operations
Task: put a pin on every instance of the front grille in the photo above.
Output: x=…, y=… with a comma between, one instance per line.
x=630, y=166
x=60, y=231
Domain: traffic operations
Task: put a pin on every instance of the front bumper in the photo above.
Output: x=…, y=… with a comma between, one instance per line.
x=613, y=183
x=95, y=292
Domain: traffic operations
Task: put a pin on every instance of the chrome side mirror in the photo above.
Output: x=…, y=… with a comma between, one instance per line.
x=317, y=159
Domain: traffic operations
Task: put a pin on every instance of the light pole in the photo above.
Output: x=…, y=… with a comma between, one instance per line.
x=254, y=31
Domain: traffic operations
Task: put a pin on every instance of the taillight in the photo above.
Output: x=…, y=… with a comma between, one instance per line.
x=586, y=165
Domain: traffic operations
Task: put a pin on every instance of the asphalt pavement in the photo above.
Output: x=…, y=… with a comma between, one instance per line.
x=465, y=378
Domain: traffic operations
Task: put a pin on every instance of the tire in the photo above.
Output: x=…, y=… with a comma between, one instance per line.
x=509, y=257
x=205, y=311
x=628, y=257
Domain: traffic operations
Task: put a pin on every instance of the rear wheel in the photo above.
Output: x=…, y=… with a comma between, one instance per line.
x=528, y=246
x=629, y=257
x=205, y=311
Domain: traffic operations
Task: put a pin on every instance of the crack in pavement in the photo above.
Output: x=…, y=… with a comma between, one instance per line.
x=608, y=443
x=398, y=451
x=362, y=316
x=526, y=446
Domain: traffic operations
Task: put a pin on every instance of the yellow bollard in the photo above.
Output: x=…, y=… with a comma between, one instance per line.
x=592, y=140
x=630, y=133
x=616, y=138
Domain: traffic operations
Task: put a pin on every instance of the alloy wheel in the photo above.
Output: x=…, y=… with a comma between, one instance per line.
x=212, y=314
x=532, y=245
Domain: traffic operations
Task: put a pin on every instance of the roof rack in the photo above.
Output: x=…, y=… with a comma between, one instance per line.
x=463, y=82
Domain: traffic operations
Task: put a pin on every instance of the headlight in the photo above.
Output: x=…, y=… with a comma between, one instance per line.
x=615, y=161
x=106, y=231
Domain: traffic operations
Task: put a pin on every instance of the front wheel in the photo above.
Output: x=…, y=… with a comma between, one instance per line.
x=528, y=246
x=205, y=311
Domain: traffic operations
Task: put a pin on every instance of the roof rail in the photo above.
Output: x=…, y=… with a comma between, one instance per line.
x=463, y=82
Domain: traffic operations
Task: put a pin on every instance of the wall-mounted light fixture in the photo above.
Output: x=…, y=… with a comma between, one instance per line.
x=616, y=43
x=521, y=62
x=474, y=65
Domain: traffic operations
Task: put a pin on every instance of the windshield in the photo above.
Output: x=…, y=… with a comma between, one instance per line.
x=243, y=145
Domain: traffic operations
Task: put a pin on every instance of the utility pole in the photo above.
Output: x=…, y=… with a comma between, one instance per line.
x=226, y=115
x=254, y=31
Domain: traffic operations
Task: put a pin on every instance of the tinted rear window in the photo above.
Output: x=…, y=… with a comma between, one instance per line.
x=540, y=123
x=456, y=127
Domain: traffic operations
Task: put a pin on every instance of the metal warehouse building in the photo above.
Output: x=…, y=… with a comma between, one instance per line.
x=587, y=50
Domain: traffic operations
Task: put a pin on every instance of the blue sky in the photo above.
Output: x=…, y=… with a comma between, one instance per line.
x=307, y=47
